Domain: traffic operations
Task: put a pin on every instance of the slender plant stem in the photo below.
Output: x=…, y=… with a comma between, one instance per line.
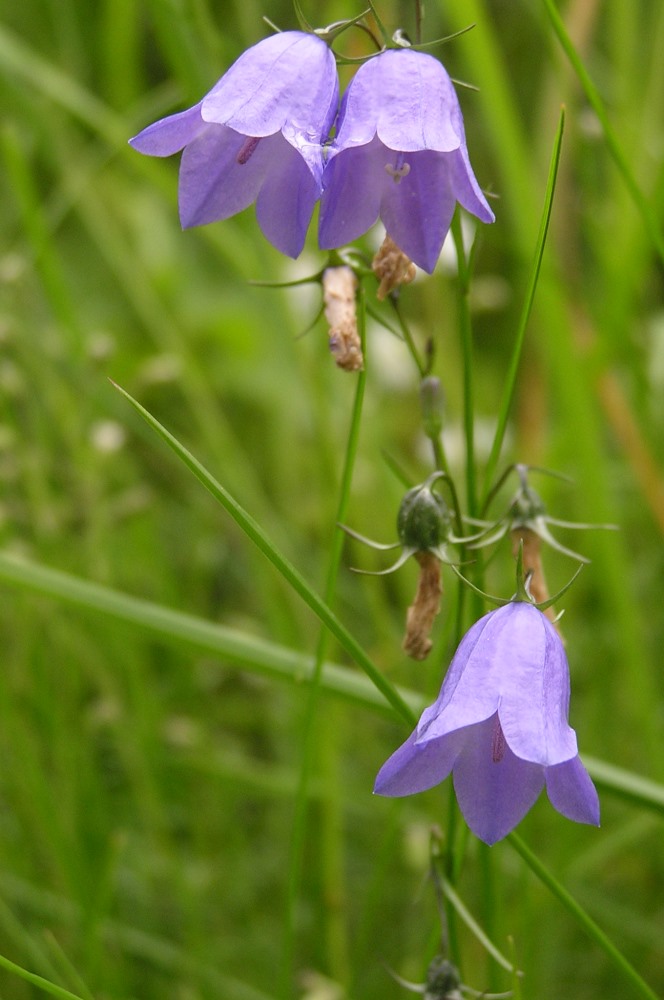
x=408, y=338
x=510, y=379
x=256, y=534
x=38, y=981
x=590, y=927
x=310, y=728
x=645, y=210
x=419, y=17
x=465, y=331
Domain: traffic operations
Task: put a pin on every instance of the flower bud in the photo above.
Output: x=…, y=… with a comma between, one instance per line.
x=432, y=401
x=526, y=507
x=424, y=519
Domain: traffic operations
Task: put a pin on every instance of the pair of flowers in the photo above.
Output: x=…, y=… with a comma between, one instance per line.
x=260, y=135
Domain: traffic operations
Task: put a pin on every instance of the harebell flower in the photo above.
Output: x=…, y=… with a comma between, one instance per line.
x=257, y=136
x=399, y=154
x=500, y=726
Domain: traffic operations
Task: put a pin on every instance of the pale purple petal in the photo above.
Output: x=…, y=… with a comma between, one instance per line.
x=466, y=189
x=287, y=82
x=572, y=792
x=170, y=135
x=470, y=691
x=400, y=118
x=410, y=192
x=216, y=182
x=494, y=794
x=351, y=198
x=535, y=690
x=286, y=200
x=213, y=185
x=407, y=99
x=417, y=209
x=414, y=768
x=512, y=660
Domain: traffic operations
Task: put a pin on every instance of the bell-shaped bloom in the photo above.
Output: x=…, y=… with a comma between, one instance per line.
x=399, y=154
x=256, y=136
x=500, y=727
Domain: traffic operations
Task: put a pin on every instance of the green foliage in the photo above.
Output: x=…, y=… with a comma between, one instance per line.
x=175, y=820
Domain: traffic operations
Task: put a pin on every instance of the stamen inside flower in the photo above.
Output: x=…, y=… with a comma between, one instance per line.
x=247, y=149
x=397, y=173
x=497, y=743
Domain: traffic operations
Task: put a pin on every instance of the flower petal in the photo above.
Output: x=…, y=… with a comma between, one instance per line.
x=353, y=182
x=513, y=660
x=572, y=792
x=213, y=185
x=465, y=187
x=415, y=768
x=535, y=689
x=417, y=208
x=494, y=794
x=287, y=81
x=407, y=99
x=169, y=135
x=469, y=693
x=286, y=200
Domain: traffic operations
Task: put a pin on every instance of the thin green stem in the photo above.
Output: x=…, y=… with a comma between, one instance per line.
x=466, y=334
x=256, y=534
x=587, y=923
x=419, y=17
x=408, y=338
x=38, y=981
x=510, y=379
x=645, y=210
x=311, y=730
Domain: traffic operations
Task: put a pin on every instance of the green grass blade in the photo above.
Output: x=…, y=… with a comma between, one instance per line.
x=590, y=927
x=634, y=788
x=256, y=534
x=251, y=653
x=38, y=981
x=474, y=927
x=269, y=659
x=323, y=735
x=649, y=219
x=510, y=379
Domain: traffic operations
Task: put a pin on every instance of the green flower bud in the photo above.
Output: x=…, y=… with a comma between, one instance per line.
x=424, y=519
x=432, y=400
x=526, y=507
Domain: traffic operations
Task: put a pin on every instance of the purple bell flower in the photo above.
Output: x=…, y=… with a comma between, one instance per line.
x=500, y=726
x=399, y=154
x=257, y=136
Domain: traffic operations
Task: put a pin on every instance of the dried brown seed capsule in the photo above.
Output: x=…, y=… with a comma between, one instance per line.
x=392, y=268
x=339, y=285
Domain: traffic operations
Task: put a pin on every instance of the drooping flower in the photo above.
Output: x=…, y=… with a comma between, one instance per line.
x=256, y=136
x=500, y=726
x=399, y=154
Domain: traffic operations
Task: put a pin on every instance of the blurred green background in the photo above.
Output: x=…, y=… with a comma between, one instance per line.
x=147, y=784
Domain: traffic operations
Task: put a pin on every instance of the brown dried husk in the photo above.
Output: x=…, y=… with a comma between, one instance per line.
x=339, y=285
x=422, y=612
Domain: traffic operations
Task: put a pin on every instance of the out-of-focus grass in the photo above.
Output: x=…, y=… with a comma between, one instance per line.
x=146, y=791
